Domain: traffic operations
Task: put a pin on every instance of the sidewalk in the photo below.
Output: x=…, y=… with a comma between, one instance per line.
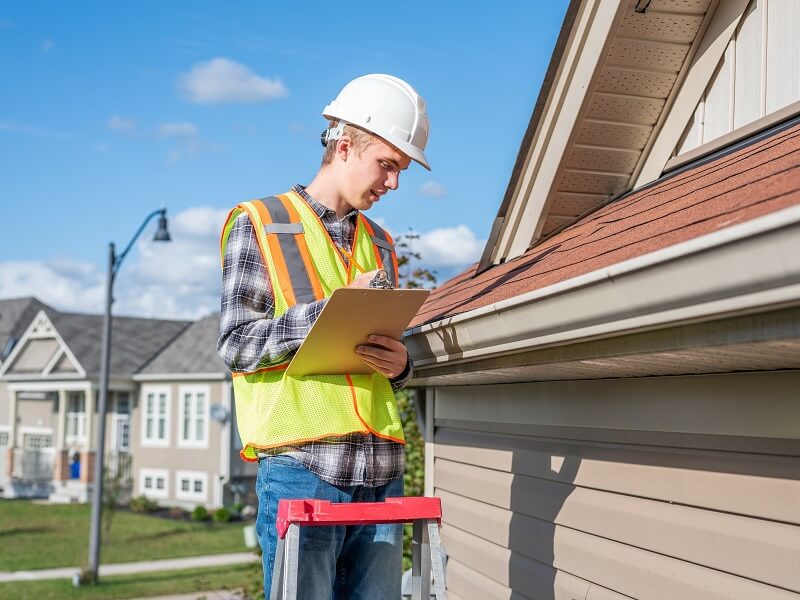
x=146, y=566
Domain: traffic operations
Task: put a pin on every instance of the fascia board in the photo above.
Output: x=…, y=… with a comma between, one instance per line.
x=218, y=376
x=29, y=334
x=569, y=93
x=710, y=50
x=687, y=282
x=21, y=342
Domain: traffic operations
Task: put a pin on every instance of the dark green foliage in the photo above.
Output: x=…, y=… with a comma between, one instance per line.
x=142, y=504
x=200, y=513
x=410, y=276
x=222, y=515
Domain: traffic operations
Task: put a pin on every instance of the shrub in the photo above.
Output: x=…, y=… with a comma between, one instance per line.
x=142, y=504
x=222, y=515
x=237, y=507
x=200, y=513
x=176, y=512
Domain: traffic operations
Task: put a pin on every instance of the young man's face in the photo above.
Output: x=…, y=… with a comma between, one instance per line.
x=372, y=173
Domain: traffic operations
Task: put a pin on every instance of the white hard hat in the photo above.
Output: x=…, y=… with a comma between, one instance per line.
x=386, y=106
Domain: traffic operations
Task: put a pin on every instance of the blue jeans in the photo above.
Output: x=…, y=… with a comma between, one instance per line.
x=339, y=562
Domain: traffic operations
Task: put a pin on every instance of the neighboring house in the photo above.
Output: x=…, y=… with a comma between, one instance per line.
x=612, y=394
x=168, y=432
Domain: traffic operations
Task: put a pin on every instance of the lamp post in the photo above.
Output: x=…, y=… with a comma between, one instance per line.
x=114, y=263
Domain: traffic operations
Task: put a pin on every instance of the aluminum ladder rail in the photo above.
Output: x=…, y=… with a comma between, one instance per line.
x=426, y=551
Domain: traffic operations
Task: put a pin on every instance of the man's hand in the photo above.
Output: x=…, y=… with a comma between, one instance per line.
x=386, y=355
x=362, y=281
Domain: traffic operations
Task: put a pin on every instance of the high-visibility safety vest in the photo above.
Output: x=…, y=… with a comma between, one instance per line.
x=272, y=408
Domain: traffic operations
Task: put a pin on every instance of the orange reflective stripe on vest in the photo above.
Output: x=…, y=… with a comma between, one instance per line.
x=286, y=245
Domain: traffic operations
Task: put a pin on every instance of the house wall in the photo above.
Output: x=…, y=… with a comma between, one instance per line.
x=36, y=416
x=662, y=487
x=4, y=405
x=173, y=461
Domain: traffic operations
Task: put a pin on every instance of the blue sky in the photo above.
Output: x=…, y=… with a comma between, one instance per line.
x=110, y=110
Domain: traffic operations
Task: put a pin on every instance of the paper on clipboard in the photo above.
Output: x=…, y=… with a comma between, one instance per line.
x=349, y=316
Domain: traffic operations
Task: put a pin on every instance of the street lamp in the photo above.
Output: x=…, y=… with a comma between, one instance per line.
x=114, y=263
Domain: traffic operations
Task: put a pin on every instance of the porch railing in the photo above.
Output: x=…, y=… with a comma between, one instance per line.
x=33, y=464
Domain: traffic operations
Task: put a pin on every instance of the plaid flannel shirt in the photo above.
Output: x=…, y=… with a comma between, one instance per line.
x=251, y=338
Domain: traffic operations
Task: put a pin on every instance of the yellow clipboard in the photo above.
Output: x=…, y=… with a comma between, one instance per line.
x=348, y=318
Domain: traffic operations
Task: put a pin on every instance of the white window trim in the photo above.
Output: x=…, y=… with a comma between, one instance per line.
x=154, y=473
x=143, y=439
x=82, y=419
x=194, y=389
x=192, y=476
x=116, y=419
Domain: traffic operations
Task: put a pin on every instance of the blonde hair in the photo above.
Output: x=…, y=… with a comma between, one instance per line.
x=361, y=141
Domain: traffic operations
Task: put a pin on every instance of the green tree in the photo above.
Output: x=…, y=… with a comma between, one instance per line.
x=412, y=276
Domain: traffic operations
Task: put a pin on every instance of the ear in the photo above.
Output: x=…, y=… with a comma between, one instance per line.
x=344, y=146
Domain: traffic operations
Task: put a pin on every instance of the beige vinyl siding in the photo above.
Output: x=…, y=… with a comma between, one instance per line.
x=758, y=75
x=173, y=457
x=36, y=413
x=34, y=356
x=560, y=511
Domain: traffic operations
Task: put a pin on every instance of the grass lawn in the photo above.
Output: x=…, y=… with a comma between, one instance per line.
x=40, y=536
x=133, y=586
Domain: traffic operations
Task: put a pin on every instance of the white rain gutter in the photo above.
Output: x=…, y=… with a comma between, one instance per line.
x=742, y=268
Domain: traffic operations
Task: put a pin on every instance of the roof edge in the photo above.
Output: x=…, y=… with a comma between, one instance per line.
x=634, y=295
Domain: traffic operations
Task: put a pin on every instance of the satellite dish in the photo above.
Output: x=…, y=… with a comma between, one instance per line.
x=219, y=413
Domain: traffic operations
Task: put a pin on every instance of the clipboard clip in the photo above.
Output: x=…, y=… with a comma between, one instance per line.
x=380, y=281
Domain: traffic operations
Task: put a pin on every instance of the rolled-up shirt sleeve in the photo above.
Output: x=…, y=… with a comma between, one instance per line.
x=251, y=338
x=399, y=382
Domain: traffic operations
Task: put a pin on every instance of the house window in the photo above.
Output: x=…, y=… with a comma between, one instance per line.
x=153, y=482
x=123, y=403
x=155, y=417
x=194, y=417
x=192, y=485
x=3, y=438
x=76, y=416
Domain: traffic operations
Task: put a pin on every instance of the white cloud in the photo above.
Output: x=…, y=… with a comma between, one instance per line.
x=68, y=284
x=221, y=80
x=432, y=189
x=119, y=123
x=178, y=130
x=179, y=279
x=182, y=278
x=448, y=247
x=47, y=45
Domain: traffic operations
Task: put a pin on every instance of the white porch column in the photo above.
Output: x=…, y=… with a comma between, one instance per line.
x=12, y=419
x=89, y=404
x=61, y=426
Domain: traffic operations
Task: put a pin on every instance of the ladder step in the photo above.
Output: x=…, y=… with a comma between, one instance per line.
x=311, y=512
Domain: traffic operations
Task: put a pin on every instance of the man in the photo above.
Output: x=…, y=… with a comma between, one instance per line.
x=333, y=437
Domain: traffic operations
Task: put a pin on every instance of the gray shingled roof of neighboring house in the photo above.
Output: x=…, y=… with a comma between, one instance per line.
x=134, y=341
x=194, y=351
x=15, y=316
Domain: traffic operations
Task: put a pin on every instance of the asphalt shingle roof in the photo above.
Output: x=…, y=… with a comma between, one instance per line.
x=134, y=341
x=193, y=351
x=747, y=183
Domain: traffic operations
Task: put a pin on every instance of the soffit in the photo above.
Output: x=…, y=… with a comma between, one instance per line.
x=645, y=60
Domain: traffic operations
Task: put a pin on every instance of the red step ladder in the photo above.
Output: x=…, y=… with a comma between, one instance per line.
x=426, y=550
